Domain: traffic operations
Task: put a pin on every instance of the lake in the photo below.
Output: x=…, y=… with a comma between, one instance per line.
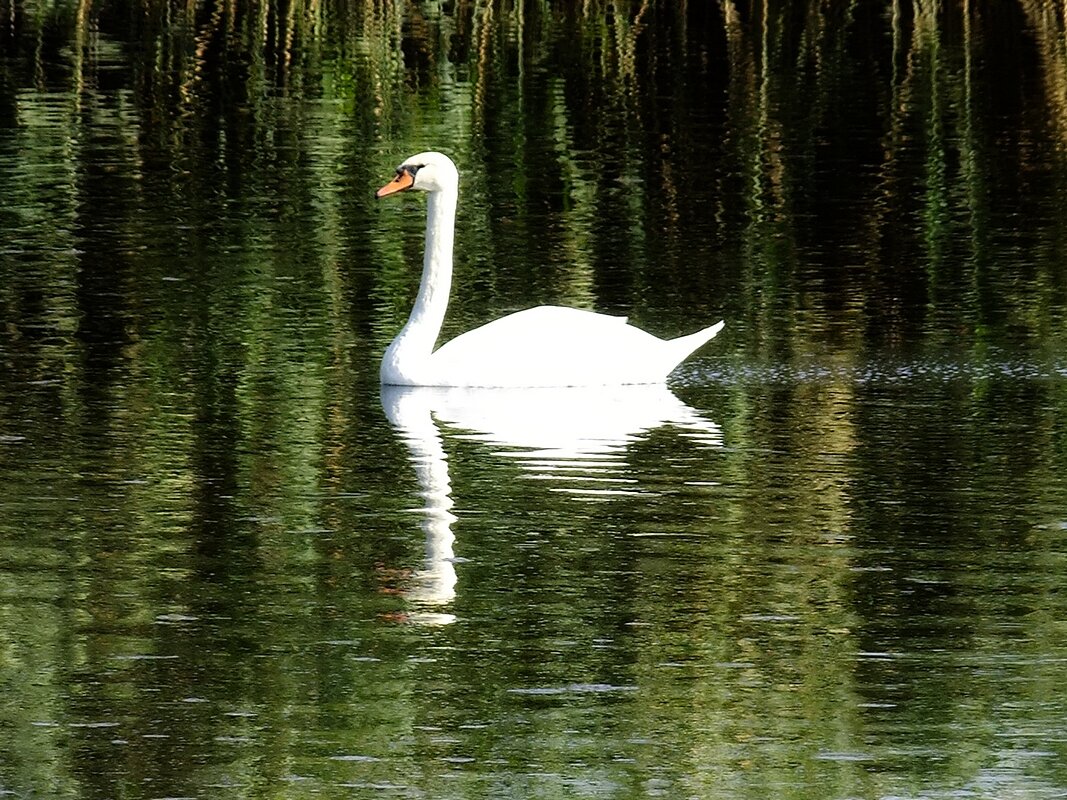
x=827, y=560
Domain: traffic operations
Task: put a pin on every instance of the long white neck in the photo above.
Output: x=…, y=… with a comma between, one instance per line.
x=412, y=347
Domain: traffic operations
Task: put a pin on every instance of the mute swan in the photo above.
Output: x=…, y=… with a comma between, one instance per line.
x=543, y=346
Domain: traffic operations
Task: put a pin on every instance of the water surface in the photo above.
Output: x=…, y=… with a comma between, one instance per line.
x=826, y=562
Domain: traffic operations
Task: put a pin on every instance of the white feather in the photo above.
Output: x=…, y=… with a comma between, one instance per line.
x=543, y=346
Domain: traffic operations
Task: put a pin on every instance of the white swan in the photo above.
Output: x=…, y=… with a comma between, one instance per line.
x=543, y=346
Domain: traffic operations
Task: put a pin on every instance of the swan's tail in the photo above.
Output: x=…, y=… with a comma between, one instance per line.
x=684, y=345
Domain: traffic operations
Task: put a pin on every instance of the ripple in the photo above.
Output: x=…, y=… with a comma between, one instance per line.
x=845, y=757
x=574, y=688
x=876, y=371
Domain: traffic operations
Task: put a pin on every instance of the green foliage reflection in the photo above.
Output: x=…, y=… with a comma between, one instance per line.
x=205, y=525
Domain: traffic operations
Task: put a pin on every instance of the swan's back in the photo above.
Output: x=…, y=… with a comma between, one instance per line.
x=557, y=346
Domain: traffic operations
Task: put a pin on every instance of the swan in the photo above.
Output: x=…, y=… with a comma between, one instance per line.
x=544, y=346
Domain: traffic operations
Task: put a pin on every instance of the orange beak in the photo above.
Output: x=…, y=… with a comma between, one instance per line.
x=403, y=180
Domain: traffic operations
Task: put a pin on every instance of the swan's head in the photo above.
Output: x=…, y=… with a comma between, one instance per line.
x=427, y=172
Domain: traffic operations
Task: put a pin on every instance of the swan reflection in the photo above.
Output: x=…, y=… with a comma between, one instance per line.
x=558, y=434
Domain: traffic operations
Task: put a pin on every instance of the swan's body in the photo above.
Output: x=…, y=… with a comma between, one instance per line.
x=543, y=346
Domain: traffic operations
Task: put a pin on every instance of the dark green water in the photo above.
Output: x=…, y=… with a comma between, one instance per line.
x=830, y=562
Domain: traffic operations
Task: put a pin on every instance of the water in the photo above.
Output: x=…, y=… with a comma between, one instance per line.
x=826, y=563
